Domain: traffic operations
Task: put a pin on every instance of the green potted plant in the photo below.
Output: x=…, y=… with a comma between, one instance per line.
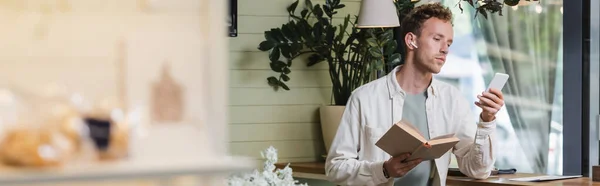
x=352, y=54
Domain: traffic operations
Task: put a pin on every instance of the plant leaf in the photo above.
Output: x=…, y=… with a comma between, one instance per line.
x=375, y=52
x=277, y=66
x=285, y=50
x=372, y=42
x=390, y=48
x=318, y=11
x=314, y=59
x=274, y=54
x=292, y=7
x=309, y=4
x=285, y=77
x=270, y=37
x=387, y=35
x=378, y=64
x=272, y=81
x=283, y=85
x=288, y=32
x=295, y=48
x=304, y=13
x=286, y=70
x=278, y=35
x=394, y=59
x=265, y=45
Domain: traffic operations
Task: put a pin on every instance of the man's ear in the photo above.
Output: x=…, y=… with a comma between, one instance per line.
x=409, y=40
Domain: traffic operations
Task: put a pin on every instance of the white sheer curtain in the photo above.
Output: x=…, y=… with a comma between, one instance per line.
x=526, y=43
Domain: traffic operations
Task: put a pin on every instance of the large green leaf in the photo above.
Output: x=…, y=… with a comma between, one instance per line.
x=285, y=50
x=304, y=13
x=318, y=11
x=294, y=30
x=318, y=31
x=270, y=37
x=272, y=81
x=283, y=85
x=394, y=59
x=386, y=36
x=375, y=52
x=314, y=59
x=390, y=48
x=277, y=66
x=280, y=35
x=286, y=70
x=274, y=54
x=379, y=64
x=285, y=77
x=265, y=45
x=372, y=42
x=327, y=10
x=289, y=33
x=308, y=4
x=330, y=34
x=295, y=48
x=292, y=7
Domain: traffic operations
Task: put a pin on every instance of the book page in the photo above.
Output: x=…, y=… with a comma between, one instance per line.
x=438, y=141
x=408, y=127
x=443, y=136
x=399, y=139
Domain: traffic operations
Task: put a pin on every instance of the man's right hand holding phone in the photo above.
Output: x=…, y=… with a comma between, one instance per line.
x=398, y=166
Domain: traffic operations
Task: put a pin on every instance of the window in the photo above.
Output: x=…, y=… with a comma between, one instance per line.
x=526, y=43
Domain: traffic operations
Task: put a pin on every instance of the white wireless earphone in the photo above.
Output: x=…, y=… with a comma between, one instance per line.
x=413, y=44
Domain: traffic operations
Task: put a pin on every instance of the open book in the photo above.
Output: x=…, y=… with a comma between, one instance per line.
x=403, y=137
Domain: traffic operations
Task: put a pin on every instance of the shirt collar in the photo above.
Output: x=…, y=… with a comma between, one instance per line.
x=395, y=89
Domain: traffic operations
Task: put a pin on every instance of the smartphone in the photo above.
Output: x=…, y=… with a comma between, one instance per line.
x=498, y=81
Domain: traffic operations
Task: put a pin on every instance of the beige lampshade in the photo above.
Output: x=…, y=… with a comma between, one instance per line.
x=377, y=13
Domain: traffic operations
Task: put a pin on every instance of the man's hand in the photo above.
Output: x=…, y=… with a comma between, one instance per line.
x=490, y=102
x=398, y=167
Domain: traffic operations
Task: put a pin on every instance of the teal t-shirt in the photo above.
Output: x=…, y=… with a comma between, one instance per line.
x=414, y=111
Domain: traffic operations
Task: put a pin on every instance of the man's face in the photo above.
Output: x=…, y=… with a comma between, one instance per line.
x=433, y=43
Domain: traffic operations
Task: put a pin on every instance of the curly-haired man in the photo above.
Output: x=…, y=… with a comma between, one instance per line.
x=411, y=93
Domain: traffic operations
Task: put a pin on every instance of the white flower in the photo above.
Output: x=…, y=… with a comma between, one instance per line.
x=270, y=175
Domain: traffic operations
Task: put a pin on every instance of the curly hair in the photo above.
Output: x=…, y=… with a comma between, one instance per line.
x=415, y=19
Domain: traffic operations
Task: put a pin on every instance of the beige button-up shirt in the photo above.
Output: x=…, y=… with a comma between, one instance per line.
x=353, y=158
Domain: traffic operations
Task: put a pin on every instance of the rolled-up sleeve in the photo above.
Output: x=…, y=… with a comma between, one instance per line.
x=474, y=152
x=342, y=165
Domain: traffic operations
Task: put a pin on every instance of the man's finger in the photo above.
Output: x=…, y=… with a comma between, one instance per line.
x=492, y=97
x=487, y=108
x=403, y=157
x=490, y=110
x=488, y=102
x=410, y=166
x=497, y=92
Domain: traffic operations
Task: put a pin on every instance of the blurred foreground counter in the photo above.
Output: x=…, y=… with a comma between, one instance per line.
x=167, y=155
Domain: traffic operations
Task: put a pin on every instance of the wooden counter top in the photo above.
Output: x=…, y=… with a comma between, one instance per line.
x=316, y=170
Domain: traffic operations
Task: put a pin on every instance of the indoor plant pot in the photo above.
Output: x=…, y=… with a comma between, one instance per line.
x=330, y=120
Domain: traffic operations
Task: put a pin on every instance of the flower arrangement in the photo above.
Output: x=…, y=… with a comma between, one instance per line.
x=269, y=176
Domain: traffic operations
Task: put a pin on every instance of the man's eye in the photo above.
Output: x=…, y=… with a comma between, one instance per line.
x=437, y=39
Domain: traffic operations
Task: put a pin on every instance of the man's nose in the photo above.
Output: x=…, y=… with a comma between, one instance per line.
x=444, y=49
